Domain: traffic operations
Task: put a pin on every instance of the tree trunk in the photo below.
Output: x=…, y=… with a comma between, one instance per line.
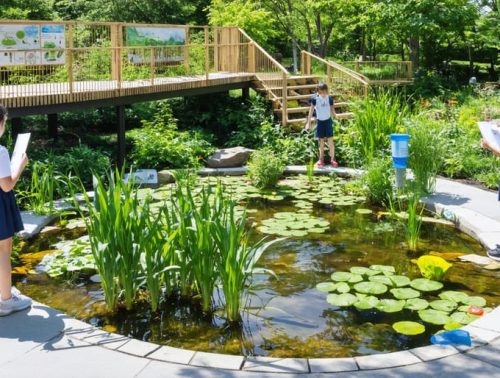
x=403, y=51
x=363, y=45
x=295, y=55
x=414, y=46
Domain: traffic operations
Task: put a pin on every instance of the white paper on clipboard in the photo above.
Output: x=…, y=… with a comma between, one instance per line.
x=19, y=149
x=490, y=131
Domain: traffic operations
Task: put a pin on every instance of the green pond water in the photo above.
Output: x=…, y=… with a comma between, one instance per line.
x=288, y=316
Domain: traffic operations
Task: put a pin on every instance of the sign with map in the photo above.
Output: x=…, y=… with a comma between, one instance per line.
x=31, y=44
x=154, y=37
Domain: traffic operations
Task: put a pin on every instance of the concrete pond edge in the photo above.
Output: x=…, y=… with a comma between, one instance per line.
x=483, y=331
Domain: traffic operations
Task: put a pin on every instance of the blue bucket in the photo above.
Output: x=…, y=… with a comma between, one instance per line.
x=399, y=146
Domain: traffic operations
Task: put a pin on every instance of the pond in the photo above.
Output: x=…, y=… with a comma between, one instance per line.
x=286, y=315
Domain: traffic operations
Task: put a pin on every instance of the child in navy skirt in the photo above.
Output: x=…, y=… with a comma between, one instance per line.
x=11, y=300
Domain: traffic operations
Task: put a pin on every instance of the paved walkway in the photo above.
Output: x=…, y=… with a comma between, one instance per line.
x=46, y=343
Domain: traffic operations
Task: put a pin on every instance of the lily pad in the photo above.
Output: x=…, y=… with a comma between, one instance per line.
x=359, y=270
x=443, y=305
x=463, y=317
x=370, y=288
x=383, y=268
x=367, y=303
x=364, y=211
x=399, y=281
x=341, y=300
x=381, y=279
x=342, y=287
x=434, y=317
x=405, y=293
x=452, y=325
x=416, y=304
x=355, y=278
x=390, y=305
x=424, y=284
x=455, y=296
x=326, y=287
x=409, y=328
x=341, y=276
x=475, y=301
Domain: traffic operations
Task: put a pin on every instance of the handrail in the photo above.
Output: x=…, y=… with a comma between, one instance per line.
x=275, y=62
x=355, y=75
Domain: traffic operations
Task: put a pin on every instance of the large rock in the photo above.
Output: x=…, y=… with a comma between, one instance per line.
x=165, y=177
x=229, y=157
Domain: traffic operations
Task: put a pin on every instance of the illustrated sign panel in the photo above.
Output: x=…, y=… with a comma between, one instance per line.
x=24, y=44
x=154, y=37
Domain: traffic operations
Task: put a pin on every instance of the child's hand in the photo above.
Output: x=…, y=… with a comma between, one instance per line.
x=24, y=161
x=308, y=125
x=485, y=144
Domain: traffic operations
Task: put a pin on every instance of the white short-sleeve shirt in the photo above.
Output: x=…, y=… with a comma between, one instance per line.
x=4, y=163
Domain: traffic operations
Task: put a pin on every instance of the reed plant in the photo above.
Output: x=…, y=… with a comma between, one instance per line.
x=378, y=116
x=43, y=188
x=414, y=222
x=310, y=171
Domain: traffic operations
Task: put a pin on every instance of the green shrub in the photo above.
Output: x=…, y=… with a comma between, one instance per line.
x=265, y=168
x=378, y=116
x=159, y=144
x=426, y=155
x=377, y=181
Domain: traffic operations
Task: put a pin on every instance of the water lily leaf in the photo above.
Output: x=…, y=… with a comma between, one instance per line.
x=341, y=276
x=433, y=267
x=405, y=293
x=475, y=301
x=366, y=302
x=463, y=317
x=443, y=305
x=455, y=296
x=342, y=287
x=390, y=305
x=452, y=325
x=399, y=281
x=383, y=268
x=326, y=287
x=381, y=279
x=359, y=270
x=416, y=304
x=434, y=317
x=409, y=328
x=355, y=278
x=424, y=284
x=370, y=288
x=364, y=211
x=342, y=300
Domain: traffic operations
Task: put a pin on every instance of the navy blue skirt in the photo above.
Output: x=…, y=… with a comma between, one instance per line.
x=324, y=129
x=10, y=216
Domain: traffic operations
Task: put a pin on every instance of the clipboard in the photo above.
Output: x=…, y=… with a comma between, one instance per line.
x=490, y=131
x=20, y=149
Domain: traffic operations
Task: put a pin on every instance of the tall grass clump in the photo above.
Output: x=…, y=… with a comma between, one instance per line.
x=378, y=116
x=377, y=181
x=42, y=189
x=414, y=222
x=427, y=153
x=265, y=168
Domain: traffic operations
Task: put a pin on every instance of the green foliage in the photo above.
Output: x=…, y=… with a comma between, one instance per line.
x=377, y=117
x=158, y=144
x=377, y=181
x=433, y=267
x=414, y=222
x=39, y=196
x=427, y=153
x=265, y=168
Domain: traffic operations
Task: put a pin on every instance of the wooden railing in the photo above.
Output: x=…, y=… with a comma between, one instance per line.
x=342, y=81
x=271, y=74
x=44, y=62
x=382, y=72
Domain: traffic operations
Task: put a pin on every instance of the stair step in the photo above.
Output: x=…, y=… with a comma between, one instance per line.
x=305, y=109
x=295, y=87
x=346, y=115
x=297, y=77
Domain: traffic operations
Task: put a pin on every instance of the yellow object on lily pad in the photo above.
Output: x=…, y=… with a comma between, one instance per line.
x=433, y=267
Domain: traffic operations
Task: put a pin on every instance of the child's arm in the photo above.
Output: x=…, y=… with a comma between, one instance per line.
x=332, y=107
x=309, y=117
x=488, y=146
x=8, y=183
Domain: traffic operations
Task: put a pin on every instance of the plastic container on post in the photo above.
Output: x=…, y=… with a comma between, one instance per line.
x=399, y=145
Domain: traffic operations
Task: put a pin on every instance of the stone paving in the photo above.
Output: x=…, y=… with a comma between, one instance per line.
x=43, y=342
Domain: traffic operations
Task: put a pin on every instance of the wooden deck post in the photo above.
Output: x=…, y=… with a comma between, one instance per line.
x=251, y=58
x=116, y=55
x=207, y=54
x=186, y=51
x=328, y=76
x=17, y=126
x=216, y=49
x=284, y=104
x=152, y=65
x=69, y=61
x=120, y=117
x=52, y=126
x=245, y=94
x=410, y=70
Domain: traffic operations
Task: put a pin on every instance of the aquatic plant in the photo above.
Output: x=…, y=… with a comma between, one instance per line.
x=43, y=188
x=265, y=168
x=377, y=181
x=433, y=267
x=414, y=222
x=310, y=171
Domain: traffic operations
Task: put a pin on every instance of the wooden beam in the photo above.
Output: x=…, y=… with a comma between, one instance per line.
x=120, y=117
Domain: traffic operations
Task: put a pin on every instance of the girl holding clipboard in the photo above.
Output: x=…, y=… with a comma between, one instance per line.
x=11, y=300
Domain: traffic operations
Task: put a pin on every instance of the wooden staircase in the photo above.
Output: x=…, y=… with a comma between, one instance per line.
x=300, y=88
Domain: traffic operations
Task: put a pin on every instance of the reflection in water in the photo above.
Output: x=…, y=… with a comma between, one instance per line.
x=285, y=317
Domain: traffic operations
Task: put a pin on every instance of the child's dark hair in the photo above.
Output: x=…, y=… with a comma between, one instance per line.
x=3, y=112
x=322, y=87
